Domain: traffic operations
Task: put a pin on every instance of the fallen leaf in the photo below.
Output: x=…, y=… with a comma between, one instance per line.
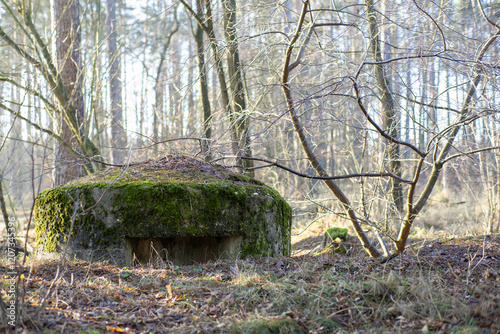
x=115, y=329
x=169, y=291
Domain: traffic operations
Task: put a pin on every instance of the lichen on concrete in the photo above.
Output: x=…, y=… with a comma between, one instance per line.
x=162, y=202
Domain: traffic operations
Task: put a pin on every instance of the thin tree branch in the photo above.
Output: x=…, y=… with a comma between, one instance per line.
x=302, y=48
x=470, y=152
x=40, y=128
x=196, y=17
x=382, y=62
x=312, y=177
x=379, y=129
x=31, y=91
x=289, y=50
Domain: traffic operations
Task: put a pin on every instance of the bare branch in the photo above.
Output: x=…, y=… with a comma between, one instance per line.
x=196, y=17
x=38, y=127
x=484, y=149
x=435, y=23
x=312, y=177
x=31, y=91
x=379, y=129
x=486, y=16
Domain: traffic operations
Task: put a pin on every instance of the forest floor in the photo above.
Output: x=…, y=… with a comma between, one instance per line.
x=437, y=285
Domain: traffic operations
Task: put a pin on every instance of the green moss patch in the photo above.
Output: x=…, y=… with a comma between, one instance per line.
x=333, y=241
x=336, y=232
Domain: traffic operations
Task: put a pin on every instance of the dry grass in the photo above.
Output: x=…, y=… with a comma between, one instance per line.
x=437, y=286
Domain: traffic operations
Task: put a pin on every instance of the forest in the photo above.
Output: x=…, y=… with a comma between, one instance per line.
x=378, y=116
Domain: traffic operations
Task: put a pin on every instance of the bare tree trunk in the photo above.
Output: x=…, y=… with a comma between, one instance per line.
x=3, y=207
x=159, y=115
x=202, y=70
x=433, y=121
x=209, y=29
x=191, y=107
x=390, y=114
x=169, y=115
x=66, y=48
x=236, y=83
x=176, y=90
x=97, y=108
x=206, y=23
x=160, y=87
x=118, y=135
x=422, y=120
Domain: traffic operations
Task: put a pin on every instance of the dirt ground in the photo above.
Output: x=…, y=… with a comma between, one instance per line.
x=438, y=285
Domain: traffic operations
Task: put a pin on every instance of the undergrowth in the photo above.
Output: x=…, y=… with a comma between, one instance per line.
x=332, y=293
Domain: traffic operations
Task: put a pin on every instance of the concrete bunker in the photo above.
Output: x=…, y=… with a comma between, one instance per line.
x=175, y=209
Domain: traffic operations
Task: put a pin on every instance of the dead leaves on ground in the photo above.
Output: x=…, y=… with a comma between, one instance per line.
x=438, y=285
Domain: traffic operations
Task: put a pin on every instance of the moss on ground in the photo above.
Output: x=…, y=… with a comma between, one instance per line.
x=336, y=232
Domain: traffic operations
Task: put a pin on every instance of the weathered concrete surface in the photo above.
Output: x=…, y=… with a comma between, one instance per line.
x=177, y=209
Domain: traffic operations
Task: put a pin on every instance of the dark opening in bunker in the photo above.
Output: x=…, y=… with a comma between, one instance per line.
x=182, y=250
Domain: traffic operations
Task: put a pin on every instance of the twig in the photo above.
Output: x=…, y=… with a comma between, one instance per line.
x=471, y=152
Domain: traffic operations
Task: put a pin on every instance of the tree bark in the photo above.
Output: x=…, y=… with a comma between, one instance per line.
x=390, y=114
x=202, y=70
x=239, y=104
x=118, y=135
x=3, y=207
x=160, y=89
x=66, y=48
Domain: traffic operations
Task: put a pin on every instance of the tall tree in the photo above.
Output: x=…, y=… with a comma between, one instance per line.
x=118, y=135
x=202, y=70
x=160, y=84
x=66, y=54
x=389, y=113
x=240, y=119
x=234, y=103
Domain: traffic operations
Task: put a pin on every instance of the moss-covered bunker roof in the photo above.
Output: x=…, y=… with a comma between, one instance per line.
x=171, y=168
